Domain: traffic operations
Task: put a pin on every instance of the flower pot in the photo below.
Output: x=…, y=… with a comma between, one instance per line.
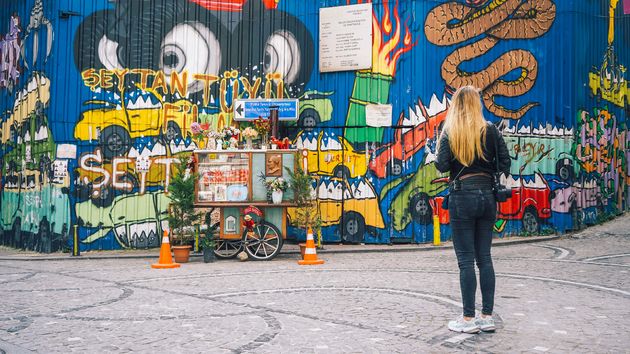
x=181, y=253
x=276, y=197
x=208, y=256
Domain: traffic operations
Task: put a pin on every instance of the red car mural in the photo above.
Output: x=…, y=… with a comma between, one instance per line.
x=530, y=202
x=390, y=157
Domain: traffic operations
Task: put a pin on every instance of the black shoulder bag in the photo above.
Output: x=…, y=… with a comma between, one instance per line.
x=501, y=193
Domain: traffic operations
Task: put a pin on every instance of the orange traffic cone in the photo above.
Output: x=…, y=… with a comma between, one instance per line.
x=310, y=253
x=166, y=260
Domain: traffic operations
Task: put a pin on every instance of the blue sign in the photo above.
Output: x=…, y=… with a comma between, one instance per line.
x=250, y=109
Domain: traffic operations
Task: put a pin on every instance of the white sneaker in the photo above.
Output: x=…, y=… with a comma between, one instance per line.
x=486, y=324
x=461, y=325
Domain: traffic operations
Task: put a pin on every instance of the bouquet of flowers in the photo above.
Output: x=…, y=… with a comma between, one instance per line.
x=250, y=133
x=278, y=184
x=230, y=132
x=198, y=130
x=262, y=126
x=211, y=134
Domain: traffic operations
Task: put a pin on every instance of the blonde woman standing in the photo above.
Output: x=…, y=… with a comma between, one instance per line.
x=467, y=149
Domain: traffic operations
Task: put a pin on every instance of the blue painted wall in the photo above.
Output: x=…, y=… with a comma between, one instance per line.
x=553, y=79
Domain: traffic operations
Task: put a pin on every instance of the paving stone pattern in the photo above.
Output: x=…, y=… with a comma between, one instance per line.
x=568, y=295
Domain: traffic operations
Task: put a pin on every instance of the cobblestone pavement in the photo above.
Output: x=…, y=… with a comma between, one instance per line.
x=568, y=295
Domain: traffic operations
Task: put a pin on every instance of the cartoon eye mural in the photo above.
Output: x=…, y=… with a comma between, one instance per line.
x=276, y=42
x=193, y=48
x=92, y=47
x=107, y=50
x=198, y=37
x=282, y=55
x=165, y=35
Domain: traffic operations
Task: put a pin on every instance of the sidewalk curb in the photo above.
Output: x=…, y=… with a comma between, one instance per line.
x=361, y=249
x=424, y=247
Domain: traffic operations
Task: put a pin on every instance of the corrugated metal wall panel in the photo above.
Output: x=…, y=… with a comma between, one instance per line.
x=555, y=87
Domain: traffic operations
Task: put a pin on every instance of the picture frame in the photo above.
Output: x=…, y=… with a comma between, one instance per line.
x=273, y=165
x=230, y=225
x=220, y=193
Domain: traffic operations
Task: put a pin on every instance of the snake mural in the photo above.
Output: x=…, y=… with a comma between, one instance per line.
x=454, y=23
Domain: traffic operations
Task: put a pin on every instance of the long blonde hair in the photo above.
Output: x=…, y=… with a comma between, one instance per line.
x=465, y=126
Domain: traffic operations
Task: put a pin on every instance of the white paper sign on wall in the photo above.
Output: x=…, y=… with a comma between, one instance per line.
x=345, y=38
x=66, y=151
x=378, y=115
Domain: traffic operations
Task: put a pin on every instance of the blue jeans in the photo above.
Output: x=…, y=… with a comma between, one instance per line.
x=473, y=213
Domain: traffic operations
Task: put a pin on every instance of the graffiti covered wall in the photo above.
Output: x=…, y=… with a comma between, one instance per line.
x=98, y=97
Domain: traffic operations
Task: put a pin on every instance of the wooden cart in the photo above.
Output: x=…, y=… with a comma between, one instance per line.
x=230, y=180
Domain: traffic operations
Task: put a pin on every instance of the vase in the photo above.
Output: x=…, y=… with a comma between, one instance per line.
x=276, y=197
x=219, y=144
x=212, y=144
x=249, y=144
x=265, y=142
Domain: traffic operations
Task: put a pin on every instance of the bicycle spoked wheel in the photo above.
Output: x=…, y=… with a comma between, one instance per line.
x=263, y=242
x=228, y=248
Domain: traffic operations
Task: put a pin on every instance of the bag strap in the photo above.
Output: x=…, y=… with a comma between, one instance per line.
x=459, y=173
x=496, y=153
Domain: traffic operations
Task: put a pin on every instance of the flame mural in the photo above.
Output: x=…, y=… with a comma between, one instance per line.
x=372, y=86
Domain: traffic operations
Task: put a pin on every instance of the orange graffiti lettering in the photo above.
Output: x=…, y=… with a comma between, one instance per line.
x=120, y=74
x=159, y=82
x=144, y=75
x=252, y=90
x=179, y=84
x=207, y=80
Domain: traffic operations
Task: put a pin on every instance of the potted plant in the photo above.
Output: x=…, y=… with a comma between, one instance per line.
x=181, y=211
x=306, y=214
x=207, y=242
x=275, y=188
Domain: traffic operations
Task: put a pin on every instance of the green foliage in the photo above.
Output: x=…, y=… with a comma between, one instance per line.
x=302, y=186
x=306, y=213
x=207, y=239
x=182, y=215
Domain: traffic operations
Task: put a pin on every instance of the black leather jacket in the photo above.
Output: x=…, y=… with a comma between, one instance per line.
x=446, y=162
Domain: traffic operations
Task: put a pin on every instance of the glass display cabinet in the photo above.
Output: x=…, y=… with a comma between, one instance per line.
x=233, y=182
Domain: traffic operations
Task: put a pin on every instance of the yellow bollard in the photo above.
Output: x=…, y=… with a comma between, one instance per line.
x=197, y=231
x=76, y=249
x=436, y=230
